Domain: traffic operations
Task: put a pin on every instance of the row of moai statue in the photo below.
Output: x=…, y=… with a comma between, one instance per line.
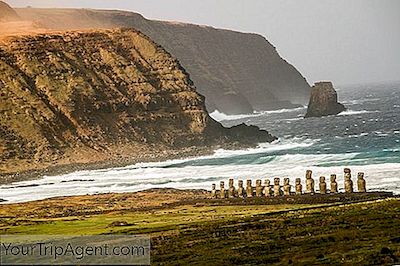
x=276, y=189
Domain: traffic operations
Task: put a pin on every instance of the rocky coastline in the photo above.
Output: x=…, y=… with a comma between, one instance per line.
x=128, y=100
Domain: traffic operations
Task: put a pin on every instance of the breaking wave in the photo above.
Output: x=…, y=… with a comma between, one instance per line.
x=219, y=116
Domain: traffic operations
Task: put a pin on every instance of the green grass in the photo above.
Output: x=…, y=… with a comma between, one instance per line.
x=139, y=221
x=299, y=234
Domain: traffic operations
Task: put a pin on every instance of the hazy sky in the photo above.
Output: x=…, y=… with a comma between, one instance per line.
x=346, y=41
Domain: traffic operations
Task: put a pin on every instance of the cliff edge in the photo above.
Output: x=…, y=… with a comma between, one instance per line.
x=323, y=101
x=87, y=96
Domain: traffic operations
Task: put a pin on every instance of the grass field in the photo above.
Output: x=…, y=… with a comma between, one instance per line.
x=186, y=228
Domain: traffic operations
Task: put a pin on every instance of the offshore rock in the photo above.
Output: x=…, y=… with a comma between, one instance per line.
x=323, y=101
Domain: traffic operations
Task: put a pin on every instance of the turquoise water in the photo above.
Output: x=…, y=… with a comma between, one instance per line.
x=365, y=138
x=370, y=127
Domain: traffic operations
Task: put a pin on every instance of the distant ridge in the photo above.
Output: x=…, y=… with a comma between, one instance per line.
x=7, y=13
x=236, y=72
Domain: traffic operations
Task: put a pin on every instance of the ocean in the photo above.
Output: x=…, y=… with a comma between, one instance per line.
x=365, y=138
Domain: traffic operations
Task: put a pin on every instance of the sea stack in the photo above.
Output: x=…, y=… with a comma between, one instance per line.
x=323, y=101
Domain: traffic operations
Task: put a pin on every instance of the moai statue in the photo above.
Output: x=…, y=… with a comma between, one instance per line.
x=222, y=190
x=348, y=183
x=277, y=187
x=231, y=191
x=361, y=183
x=267, y=188
x=286, y=186
x=259, y=188
x=334, y=188
x=299, y=187
x=249, y=189
x=213, y=191
x=240, y=189
x=322, y=185
x=309, y=182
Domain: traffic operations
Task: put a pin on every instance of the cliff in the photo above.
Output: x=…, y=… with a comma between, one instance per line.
x=236, y=72
x=97, y=95
x=323, y=101
x=7, y=13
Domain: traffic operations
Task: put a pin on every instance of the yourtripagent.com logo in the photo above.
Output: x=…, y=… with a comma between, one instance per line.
x=67, y=250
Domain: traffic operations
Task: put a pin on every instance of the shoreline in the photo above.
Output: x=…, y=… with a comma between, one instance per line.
x=53, y=170
x=152, y=156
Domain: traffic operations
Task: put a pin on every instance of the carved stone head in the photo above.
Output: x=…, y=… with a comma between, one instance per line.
x=286, y=181
x=240, y=183
x=249, y=182
x=333, y=178
x=322, y=179
x=298, y=181
x=276, y=181
x=308, y=174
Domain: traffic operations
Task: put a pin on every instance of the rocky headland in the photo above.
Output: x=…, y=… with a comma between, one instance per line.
x=324, y=101
x=84, y=97
x=236, y=72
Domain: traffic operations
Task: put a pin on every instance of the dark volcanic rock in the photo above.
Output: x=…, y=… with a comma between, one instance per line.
x=323, y=101
x=249, y=134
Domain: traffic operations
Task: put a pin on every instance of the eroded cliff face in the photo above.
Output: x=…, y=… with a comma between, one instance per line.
x=236, y=72
x=94, y=95
x=323, y=101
